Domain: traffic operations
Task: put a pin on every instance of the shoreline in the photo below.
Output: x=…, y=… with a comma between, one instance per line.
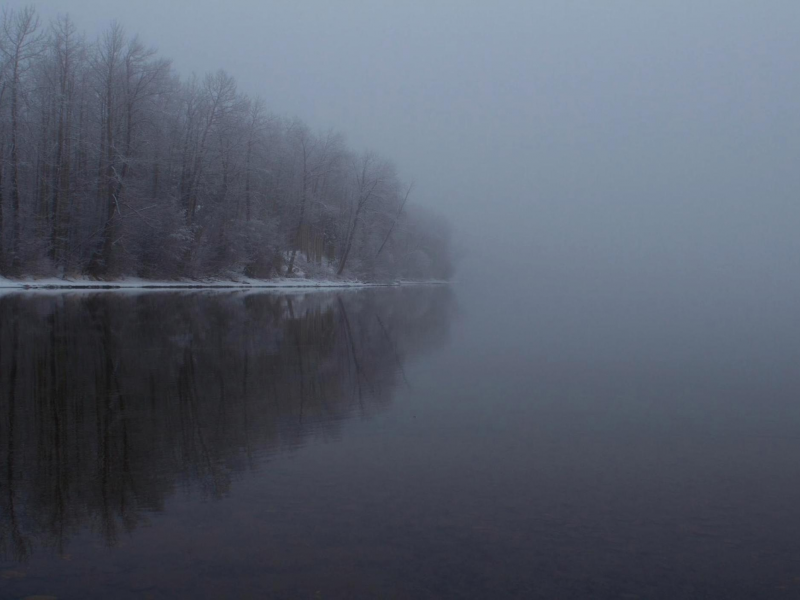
x=56, y=284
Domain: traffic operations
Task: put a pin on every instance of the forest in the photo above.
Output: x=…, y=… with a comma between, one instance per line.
x=113, y=165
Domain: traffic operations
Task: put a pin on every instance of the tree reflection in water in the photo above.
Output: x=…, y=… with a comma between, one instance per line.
x=110, y=403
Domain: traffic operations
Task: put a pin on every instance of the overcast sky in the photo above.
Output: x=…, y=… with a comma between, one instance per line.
x=623, y=136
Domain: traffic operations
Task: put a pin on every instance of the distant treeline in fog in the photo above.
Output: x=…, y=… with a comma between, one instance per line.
x=111, y=164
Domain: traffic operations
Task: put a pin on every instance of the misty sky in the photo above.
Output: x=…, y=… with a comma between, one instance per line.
x=615, y=136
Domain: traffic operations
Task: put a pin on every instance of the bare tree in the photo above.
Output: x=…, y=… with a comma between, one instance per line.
x=107, y=64
x=111, y=164
x=256, y=127
x=22, y=42
x=369, y=173
x=3, y=88
x=66, y=47
x=396, y=218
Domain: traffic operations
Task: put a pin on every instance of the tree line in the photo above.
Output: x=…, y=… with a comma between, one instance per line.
x=111, y=164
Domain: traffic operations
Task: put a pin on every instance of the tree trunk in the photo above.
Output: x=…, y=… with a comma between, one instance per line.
x=302, y=214
x=349, y=242
x=109, y=226
x=55, y=228
x=247, y=179
x=2, y=203
x=15, y=259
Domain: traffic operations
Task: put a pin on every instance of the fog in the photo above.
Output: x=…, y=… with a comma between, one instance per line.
x=602, y=405
x=625, y=142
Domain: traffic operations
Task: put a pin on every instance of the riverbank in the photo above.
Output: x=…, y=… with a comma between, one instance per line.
x=133, y=283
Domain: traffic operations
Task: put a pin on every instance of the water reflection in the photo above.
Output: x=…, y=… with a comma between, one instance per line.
x=111, y=403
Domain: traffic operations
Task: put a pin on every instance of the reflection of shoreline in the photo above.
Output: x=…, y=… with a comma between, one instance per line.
x=108, y=403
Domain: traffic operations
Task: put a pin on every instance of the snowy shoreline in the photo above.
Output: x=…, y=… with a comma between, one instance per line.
x=10, y=285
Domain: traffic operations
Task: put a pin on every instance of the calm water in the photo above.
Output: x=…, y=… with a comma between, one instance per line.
x=427, y=442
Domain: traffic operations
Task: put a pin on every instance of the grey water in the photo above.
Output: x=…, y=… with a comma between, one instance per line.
x=567, y=441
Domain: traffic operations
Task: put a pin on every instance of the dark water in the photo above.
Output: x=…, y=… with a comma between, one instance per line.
x=422, y=442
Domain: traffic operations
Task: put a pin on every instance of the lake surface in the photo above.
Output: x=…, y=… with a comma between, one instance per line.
x=418, y=442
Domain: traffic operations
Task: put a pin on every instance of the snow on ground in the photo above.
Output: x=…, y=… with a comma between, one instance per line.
x=243, y=283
